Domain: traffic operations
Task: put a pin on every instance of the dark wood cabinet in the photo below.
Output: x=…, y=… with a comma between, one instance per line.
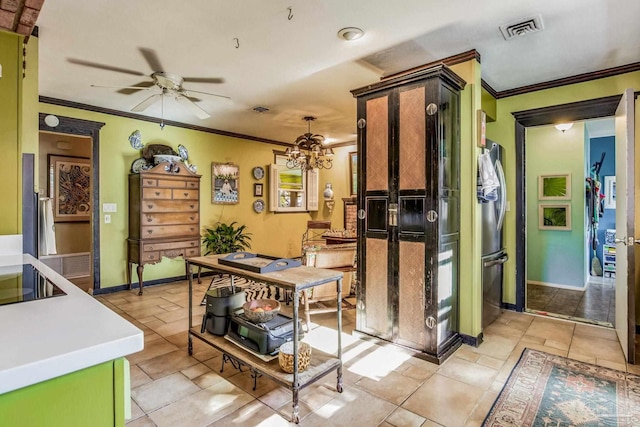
x=164, y=216
x=409, y=210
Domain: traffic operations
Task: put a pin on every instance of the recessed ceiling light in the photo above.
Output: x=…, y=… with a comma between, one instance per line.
x=350, y=33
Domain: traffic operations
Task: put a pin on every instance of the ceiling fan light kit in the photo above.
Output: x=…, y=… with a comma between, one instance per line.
x=168, y=83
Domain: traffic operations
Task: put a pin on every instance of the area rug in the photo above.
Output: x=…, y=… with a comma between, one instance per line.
x=552, y=391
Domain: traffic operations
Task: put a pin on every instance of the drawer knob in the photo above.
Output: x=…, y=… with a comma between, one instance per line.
x=192, y=218
x=149, y=218
x=192, y=206
x=150, y=206
x=150, y=248
x=193, y=244
x=149, y=231
x=157, y=193
x=186, y=194
x=149, y=182
x=191, y=228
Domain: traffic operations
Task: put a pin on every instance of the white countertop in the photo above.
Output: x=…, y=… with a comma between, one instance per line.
x=50, y=337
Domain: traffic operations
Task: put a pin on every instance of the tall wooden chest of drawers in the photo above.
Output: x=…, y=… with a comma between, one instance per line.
x=164, y=216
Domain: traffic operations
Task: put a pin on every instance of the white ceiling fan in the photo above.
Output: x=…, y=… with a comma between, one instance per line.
x=168, y=84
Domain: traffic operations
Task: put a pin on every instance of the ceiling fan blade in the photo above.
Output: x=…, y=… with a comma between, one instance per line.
x=151, y=58
x=104, y=67
x=203, y=79
x=199, y=112
x=147, y=102
x=188, y=91
x=128, y=90
x=124, y=87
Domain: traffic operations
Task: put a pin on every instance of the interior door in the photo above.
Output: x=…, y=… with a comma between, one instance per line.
x=625, y=217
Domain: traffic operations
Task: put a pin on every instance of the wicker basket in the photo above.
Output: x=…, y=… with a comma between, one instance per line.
x=285, y=356
x=262, y=315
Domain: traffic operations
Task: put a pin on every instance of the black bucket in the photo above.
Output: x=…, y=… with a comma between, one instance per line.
x=221, y=302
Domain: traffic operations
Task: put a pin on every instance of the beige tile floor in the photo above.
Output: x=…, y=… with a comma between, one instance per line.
x=383, y=384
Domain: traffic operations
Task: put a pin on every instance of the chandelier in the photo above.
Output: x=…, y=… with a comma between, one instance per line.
x=307, y=152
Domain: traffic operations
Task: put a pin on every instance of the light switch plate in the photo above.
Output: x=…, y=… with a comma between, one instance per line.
x=109, y=207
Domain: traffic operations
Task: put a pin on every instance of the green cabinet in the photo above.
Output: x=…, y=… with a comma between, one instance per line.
x=95, y=396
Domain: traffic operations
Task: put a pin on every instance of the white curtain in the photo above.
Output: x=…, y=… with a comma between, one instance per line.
x=47, y=228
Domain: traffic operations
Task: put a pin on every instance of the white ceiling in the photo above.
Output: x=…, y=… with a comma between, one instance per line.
x=298, y=66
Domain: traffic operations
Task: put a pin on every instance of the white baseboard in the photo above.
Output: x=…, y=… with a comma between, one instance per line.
x=558, y=285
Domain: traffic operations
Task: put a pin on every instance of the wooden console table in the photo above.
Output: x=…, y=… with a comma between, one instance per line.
x=295, y=280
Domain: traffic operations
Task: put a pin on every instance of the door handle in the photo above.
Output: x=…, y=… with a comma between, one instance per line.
x=627, y=241
x=393, y=214
x=500, y=260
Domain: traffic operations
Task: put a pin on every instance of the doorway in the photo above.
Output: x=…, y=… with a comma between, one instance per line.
x=64, y=180
x=69, y=152
x=572, y=112
x=570, y=267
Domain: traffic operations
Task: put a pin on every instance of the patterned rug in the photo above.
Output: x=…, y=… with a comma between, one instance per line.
x=253, y=290
x=552, y=391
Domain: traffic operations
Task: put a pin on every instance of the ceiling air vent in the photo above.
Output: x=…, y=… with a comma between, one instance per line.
x=260, y=109
x=522, y=27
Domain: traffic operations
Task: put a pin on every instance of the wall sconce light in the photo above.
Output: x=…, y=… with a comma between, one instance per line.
x=328, y=197
x=51, y=120
x=563, y=127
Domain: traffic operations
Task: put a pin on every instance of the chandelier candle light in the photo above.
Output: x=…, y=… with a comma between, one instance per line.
x=307, y=152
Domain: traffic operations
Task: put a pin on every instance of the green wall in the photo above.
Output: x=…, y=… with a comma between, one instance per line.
x=10, y=127
x=556, y=256
x=503, y=131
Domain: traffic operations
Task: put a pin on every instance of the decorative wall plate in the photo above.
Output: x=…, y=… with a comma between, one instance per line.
x=182, y=151
x=139, y=165
x=135, y=139
x=258, y=205
x=258, y=172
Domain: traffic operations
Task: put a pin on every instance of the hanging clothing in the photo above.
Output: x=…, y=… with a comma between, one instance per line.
x=47, y=228
x=489, y=182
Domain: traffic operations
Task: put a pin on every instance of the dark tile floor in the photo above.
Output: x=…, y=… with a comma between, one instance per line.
x=596, y=303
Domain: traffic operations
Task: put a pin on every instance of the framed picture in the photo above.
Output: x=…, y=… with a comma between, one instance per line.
x=257, y=190
x=353, y=172
x=554, y=187
x=554, y=217
x=609, y=192
x=70, y=188
x=224, y=183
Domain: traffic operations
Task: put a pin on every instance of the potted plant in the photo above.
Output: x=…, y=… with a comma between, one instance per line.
x=226, y=238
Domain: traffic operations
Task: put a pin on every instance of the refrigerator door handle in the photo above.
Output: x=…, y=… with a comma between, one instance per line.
x=498, y=261
x=503, y=194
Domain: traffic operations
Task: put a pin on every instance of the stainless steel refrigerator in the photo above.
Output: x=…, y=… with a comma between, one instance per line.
x=493, y=253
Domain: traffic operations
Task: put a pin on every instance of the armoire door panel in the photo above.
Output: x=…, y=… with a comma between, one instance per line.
x=447, y=293
x=411, y=215
x=412, y=139
x=377, y=210
x=411, y=304
x=377, y=152
x=376, y=302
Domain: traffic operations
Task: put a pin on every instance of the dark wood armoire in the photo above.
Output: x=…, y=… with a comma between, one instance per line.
x=409, y=210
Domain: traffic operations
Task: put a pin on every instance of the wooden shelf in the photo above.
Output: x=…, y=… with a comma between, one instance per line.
x=321, y=363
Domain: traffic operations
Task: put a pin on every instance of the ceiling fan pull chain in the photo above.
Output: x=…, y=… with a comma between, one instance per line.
x=162, y=111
